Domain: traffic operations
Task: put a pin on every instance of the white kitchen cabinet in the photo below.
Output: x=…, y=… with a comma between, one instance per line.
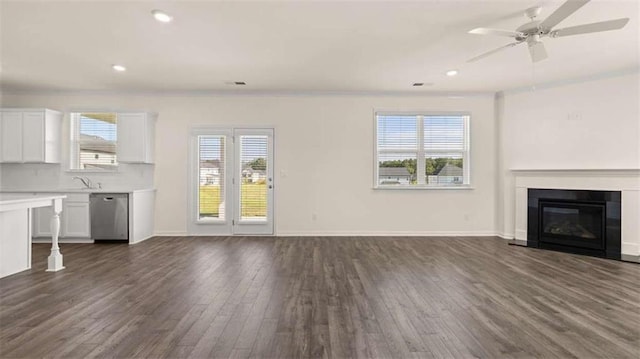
x=74, y=219
x=136, y=137
x=30, y=135
x=42, y=222
x=77, y=221
x=11, y=135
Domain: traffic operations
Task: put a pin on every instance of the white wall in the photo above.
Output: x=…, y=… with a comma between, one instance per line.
x=593, y=124
x=324, y=160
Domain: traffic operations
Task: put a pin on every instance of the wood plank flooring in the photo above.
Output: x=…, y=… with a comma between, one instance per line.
x=370, y=297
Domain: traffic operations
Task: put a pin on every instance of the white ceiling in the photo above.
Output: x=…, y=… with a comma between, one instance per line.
x=360, y=46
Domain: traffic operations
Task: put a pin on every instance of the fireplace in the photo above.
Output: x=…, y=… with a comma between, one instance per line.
x=576, y=221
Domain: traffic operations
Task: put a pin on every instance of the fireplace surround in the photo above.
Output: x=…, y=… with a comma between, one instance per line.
x=578, y=221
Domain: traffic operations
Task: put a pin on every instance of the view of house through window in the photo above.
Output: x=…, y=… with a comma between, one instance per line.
x=422, y=150
x=253, y=183
x=213, y=177
x=94, y=140
x=211, y=153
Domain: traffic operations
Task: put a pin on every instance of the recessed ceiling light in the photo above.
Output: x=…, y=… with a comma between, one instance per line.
x=452, y=72
x=119, y=68
x=161, y=16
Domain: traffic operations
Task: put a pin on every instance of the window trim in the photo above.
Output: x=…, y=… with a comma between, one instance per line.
x=420, y=150
x=74, y=143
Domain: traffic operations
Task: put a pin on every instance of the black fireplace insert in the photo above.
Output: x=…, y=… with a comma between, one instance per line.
x=576, y=221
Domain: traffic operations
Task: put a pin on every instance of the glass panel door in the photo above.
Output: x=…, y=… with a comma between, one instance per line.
x=254, y=181
x=211, y=177
x=231, y=181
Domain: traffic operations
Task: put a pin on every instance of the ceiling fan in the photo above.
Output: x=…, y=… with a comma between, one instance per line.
x=533, y=31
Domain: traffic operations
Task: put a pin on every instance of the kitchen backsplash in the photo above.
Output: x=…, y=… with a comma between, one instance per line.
x=44, y=176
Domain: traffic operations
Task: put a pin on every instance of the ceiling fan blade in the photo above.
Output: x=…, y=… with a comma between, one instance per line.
x=562, y=13
x=537, y=51
x=593, y=27
x=493, y=51
x=498, y=32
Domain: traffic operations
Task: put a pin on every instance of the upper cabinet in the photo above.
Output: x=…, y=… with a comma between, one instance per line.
x=136, y=137
x=30, y=135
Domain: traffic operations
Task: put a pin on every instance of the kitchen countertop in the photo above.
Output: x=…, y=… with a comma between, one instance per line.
x=77, y=190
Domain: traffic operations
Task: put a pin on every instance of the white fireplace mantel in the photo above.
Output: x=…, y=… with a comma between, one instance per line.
x=627, y=181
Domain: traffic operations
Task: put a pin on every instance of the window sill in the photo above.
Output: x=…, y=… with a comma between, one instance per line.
x=412, y=188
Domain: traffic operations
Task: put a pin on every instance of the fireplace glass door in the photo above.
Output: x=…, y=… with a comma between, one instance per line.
x=573, y=224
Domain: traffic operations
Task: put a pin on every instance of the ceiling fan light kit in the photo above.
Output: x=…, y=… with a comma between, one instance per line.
x=534, y=30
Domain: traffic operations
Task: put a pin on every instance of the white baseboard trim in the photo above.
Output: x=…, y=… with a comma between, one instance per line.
x=518, y=242
x=141, y=240
x=63, y=240
x=505, y=235
x=389, y=234
x=631, y=249
x=356, y=234
x=171, y=234
x=351, y=234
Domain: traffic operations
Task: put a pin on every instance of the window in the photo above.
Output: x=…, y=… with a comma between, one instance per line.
x=93, y=141
x=422, y=150
x=211, y=177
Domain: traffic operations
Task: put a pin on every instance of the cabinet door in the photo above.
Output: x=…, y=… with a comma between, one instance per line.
x=33, y=137
x=76, y=220
x=132, y=137
x=151, y=139
x=42, y=222
x=11, y=136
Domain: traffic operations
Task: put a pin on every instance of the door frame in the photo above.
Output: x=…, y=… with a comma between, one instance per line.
x=249, y=227
x=197, y=227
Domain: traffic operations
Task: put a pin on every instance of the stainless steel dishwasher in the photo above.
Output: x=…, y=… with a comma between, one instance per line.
x=109, y=216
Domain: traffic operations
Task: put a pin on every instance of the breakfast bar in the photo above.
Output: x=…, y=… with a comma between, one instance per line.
x=15, y=231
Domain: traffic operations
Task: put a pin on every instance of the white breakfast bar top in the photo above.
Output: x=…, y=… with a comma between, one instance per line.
x=12, y=200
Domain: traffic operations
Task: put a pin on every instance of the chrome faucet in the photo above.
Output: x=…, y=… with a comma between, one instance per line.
x=85, y=181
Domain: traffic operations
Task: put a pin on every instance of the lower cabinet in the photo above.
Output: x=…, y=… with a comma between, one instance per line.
x=42, y=220
x=74, y=219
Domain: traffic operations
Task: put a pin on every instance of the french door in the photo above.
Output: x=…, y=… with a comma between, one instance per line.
x=231, y=181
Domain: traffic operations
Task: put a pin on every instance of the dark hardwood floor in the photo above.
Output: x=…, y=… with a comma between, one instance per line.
x=375, y=297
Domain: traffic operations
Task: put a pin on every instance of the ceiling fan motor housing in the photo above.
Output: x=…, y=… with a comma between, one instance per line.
x=529, y=29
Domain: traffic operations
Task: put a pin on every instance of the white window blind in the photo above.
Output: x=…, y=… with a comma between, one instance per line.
x=253, y=183
x=94, y=141
x=211, y=173
x=422, y=150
